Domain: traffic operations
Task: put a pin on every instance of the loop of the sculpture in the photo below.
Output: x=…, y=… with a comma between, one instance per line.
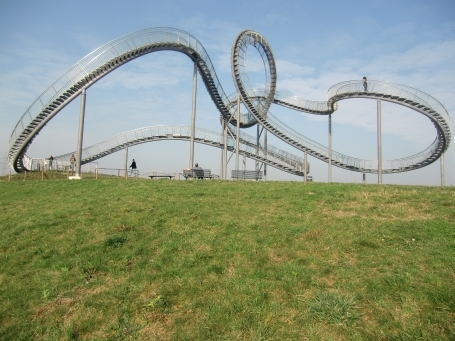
x=256, y=105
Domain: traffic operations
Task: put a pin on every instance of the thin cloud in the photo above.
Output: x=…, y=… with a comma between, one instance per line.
x=422, y=66
x=287, y=69
x=135, y=80
x=424, y=56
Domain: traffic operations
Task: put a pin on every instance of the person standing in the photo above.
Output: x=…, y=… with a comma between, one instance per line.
x=51, y=158
x=133, y=167
x=72, y=162
x=365, y=84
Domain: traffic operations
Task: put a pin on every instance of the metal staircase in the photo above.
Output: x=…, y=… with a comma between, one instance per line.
x=274, y=156
x=96, y=65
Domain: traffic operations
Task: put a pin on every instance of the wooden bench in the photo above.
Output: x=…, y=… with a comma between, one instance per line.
x=246, y=174
x=161, y=176
x=197, y=173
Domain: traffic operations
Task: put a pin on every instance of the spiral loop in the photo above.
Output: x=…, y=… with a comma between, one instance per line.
x=257, y=105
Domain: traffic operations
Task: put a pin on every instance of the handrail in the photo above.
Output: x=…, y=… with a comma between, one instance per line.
x=390, y=89
x=274, y=156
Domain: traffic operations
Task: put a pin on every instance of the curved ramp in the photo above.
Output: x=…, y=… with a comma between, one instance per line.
x=258, y=103
x=124, y=49
x=273, y=156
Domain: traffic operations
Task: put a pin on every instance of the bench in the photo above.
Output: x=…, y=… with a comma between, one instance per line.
x=246, y=174
x=161, y=176
x=197, y=173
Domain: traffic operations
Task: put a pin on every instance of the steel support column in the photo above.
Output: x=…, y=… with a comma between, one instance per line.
x=193, y=116
x=379, y=144
x=265, y=154
x=126, y=161
x=80, y=135
x=330, y=149
x=225, y=150
x=237, y=138
x=222, y=150
x=258, y=134
x=305, y=167
x=443, y=177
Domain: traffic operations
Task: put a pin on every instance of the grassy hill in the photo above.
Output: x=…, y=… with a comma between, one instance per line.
x=223, y=260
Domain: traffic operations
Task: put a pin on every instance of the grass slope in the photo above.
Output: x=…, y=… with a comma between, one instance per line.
x=225, y=260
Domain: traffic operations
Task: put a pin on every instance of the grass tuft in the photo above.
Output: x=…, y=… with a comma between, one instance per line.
x=335, y=309
x=115, y=241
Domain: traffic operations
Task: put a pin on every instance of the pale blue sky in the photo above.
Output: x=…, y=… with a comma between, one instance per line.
x=316, y=44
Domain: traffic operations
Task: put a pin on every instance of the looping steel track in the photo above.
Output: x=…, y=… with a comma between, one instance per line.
x=114, y=54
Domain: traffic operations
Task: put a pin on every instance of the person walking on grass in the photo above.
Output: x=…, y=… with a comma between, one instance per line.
x=133, y=167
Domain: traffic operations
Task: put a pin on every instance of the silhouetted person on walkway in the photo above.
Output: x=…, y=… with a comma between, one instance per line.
x=133, y=167
x=365, y=84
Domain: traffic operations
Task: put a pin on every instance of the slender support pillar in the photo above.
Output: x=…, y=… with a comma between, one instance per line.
x=126, y=162
x=222, y=150
x=330, y=149
x=258, y=134
x=237, y=137
x=379, y=144
x=225, y=151
x=80, y=134
x=193, y=117
x=305, y=167
x=443, y=178
x=265, y=154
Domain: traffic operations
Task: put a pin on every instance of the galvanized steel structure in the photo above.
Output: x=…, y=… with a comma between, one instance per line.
x=275, y=157
x=114, y=54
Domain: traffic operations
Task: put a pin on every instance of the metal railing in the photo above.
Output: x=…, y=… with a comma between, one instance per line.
x=116, y=172
x=39, y=164
x=392, y=90
x=148, y=134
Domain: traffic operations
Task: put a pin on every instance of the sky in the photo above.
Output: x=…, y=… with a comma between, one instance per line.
x=316, y=44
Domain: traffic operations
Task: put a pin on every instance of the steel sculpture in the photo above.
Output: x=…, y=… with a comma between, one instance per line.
x=112, y=55
x=275, y=157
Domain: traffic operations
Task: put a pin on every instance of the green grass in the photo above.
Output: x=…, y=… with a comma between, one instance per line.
x=223, y=260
